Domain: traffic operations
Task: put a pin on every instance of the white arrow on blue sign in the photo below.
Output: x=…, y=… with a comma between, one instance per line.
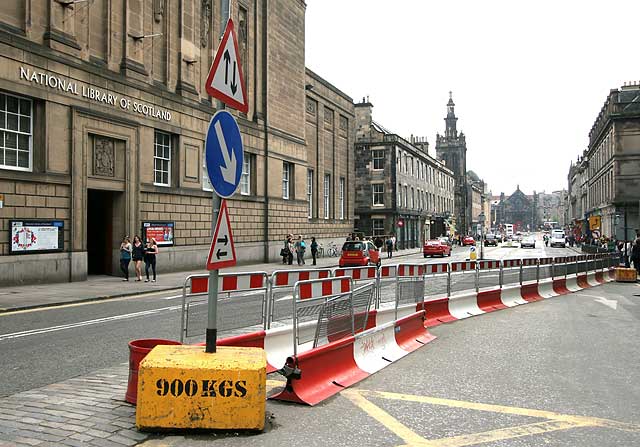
x=224, y=153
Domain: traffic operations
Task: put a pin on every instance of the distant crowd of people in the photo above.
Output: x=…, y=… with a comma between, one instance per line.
x=138, y=252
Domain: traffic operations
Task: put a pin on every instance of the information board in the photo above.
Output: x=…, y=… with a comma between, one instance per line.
x=162, y=232
x=36, y=236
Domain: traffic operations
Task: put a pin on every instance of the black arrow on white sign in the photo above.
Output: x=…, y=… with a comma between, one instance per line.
x=227, y=59
x=220, y=254
x=224, y=241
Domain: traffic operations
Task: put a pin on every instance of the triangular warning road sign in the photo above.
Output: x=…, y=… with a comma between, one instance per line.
x=223, y=252
x=225, y=80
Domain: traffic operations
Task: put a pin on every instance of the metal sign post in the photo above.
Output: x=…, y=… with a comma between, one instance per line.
x=224, y=159
x=212, y=314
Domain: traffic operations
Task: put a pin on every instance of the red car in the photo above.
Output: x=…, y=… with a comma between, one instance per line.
x=468, y=240
x=359, y=254
x=436, y=247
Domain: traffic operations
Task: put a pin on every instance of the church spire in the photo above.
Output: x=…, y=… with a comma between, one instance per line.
x=451, y=119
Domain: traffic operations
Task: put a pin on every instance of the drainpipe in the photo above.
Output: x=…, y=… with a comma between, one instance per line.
x=266, y=127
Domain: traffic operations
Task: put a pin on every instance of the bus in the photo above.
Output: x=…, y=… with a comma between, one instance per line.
x=550, y=225
x=508, y=230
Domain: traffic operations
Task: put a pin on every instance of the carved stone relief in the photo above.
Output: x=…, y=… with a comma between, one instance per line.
x=205, y=22
x=103, y=156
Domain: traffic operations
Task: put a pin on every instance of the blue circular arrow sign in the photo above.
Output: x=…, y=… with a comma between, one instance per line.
x=224, y=153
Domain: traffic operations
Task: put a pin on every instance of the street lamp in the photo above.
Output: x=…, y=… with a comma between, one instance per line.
x=481, y=220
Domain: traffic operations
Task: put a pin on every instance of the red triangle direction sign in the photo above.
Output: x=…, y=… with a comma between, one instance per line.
x=222, y=253
x=225, y=81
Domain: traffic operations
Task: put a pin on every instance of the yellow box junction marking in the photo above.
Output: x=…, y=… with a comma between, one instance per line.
x=555, y=421
x=181, y=386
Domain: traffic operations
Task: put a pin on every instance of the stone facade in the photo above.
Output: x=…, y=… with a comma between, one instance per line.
x=613, y=172
x=518, y=209
x=109, y=116
x=400, y=189
x=452, y=149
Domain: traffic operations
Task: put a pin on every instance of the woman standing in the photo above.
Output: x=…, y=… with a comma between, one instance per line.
x=314, y=249
x=151, y=250
x=137, y=252
x=300, y=247
x=125, y=257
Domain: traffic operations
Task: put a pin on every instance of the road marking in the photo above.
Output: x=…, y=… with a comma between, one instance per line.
x=285, y=298
x=502, y=434
x=100, y=300
x=391, y=423
x=544, y=414
x=172, y=297
x=63, y=327
x=609, y=303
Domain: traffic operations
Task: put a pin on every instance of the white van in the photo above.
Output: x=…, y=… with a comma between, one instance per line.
x=558, y=239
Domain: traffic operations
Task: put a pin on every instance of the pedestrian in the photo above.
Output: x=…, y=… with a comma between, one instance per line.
x=290, y=249
x=284, y=251
x=137, y=254
x=300, y=248
x=393, y=243
x=151, y=250
x=314, y=249
x=389, y=244
x=635, y=255
x=125, y=257
x=378, y=243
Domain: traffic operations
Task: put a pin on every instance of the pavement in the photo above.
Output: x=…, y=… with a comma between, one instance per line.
x=105, y=287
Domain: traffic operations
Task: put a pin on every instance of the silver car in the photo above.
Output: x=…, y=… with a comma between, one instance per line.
x=528, y=241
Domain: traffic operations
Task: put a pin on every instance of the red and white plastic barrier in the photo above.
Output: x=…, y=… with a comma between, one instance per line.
x=435, y=269
x=437, y=312
x=490, y=300
x=238, y=282
x=463, y=266
x=511, y=296
x=464, y=306
x=358, y=273
x=328, y=369
x=488, y=265
x=324, y=287
x=511, y=263
x=288, y=278
x=411, y=270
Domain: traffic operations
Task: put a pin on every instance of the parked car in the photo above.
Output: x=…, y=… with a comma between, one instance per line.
x=468, y=240
x=490, y=239
x=359, y=254
x=528, y=241
x=436, y=247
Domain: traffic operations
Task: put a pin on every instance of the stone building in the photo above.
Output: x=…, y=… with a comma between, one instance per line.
x=577, y=197
x=518, y=209
x=552, y=207
x=400, y=188
x=104, y=115
x=613, y=164
x=452, y=149
x=477, y=199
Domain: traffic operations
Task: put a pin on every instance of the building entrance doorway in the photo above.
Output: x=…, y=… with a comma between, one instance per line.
x=104, y=231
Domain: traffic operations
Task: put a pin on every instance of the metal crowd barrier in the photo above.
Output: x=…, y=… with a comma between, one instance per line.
x=281, y=288
x=529, y=271
x=487, y=271
x=462, y=276
x=326, y=302
x=511, y=271
x=292, y=297
x=436, y=281
x=248, y=290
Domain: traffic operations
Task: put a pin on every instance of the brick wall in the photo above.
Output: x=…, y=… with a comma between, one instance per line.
x=24, y=200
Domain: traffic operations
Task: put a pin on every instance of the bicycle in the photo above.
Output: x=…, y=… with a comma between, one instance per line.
x=332, y=250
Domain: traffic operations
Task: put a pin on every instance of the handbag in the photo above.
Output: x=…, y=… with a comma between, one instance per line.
x=284, y=252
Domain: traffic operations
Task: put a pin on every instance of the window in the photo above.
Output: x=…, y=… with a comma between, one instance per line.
x=310, y=193
x=377, y=191
x=377, y=227
x=15, y=132
x=327, y=183
x=413, y=199
x=406, y=196
x=162, y=159
x=245, y=178
x=378, y=159
x=341, y=197
x=286, y=176
x=399, y=196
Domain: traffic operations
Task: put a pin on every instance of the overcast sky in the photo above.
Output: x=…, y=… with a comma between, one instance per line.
x=528, y=78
